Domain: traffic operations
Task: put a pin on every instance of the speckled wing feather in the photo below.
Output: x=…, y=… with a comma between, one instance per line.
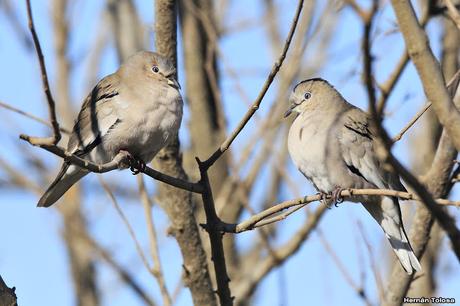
x=97, y=116
x=357, y=144
x=356, y=139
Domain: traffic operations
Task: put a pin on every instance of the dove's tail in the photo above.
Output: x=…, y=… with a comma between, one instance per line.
x=67, y=176
x=388, y=214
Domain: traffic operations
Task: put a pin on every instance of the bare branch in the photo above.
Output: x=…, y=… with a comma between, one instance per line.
x=46, y=87
x=341, y=267
x=156, y=268
x=247, y=284
x=120, y=161
x=7, y=295
x=215, y=237
x=255, y=220
x=120, y=270
x=255, y=106
x=30, y=116
x=428, y=69
x=387, y=87
x=453, y=12
x=411, y=122
x=126, y=222
x=452, y=86
x=179, y=204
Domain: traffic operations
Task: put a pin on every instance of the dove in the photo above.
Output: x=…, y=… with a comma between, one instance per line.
x=137, y=110
x=332, y=143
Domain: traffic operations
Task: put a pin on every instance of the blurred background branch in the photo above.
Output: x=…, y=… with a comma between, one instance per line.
x=224, y=50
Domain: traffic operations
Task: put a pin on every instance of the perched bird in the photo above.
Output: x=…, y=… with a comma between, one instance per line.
x=333, y=144
x=137, y=109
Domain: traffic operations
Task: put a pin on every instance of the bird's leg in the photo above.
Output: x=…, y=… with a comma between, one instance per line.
x=136, y=165
x=324, y=198
x=336, y=195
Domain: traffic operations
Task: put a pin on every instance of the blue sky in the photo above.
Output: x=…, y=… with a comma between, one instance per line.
x=32, y=255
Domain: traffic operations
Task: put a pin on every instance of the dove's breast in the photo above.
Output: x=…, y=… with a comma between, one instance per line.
x=307, y=145
x=146, y=129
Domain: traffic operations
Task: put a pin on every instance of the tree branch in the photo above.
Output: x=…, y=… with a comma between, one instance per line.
x=120, y=161
x=215, y=237
x=46, y=87
x=428, y=69
x=255, y=220
x=30, y=116
x=7, y=295
x=255, y=106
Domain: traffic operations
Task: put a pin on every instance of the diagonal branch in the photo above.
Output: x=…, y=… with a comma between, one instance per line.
x=119, y=162
x=428, y=69
x=255, y=106
x=30, y=116
x=46, y=87
x=256, y=220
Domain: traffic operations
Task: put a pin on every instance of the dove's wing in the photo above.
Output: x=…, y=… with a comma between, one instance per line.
x=356, y=141
x=99, y=114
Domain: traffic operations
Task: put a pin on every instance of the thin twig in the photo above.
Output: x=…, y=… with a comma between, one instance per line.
x=46, y=87
x=254, y=220
x=452, y=86
x=30, y=116
x=119, y=162
x=156, y=268
x=428, y=69
x=245, y=287
x=453, y=12
x=374, y=267
x=336, y=259
x=126, y=222
x=412, y=122
x=255, y=106
x=387, y=87
x=122, y=272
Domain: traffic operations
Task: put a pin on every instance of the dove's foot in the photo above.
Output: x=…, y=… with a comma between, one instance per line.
x=136, y=165
x=336, y=196
x=325, y=198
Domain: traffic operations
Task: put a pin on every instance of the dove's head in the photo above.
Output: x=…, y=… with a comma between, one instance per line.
x=145, y=66
x=311, y=94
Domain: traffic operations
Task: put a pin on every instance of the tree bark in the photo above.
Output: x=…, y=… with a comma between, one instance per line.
x=79, y=254
x=7, y=295
x=178, y=204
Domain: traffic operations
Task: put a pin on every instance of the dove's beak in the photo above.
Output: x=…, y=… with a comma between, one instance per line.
x=173, y=82
x=290, y=109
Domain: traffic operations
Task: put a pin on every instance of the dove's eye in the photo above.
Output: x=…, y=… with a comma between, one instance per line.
x=307, y=95
x=155, y=69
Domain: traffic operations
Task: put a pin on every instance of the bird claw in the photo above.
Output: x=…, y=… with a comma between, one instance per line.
x=324, y=199
x=336, y=196
x=136, y=165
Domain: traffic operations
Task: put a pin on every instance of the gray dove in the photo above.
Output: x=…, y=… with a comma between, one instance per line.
x=332, y=143
x=137, y=109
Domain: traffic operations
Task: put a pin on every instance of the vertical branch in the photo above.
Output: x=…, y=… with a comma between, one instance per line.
x=75, y=224
x=178, y=205
x=126, y=26
x=437, y=179
x=215, y=237
x=426, y=143
x=428, y=69
x=46, y=87
x=368, y=19
x=199, y=49
x=156, y=269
